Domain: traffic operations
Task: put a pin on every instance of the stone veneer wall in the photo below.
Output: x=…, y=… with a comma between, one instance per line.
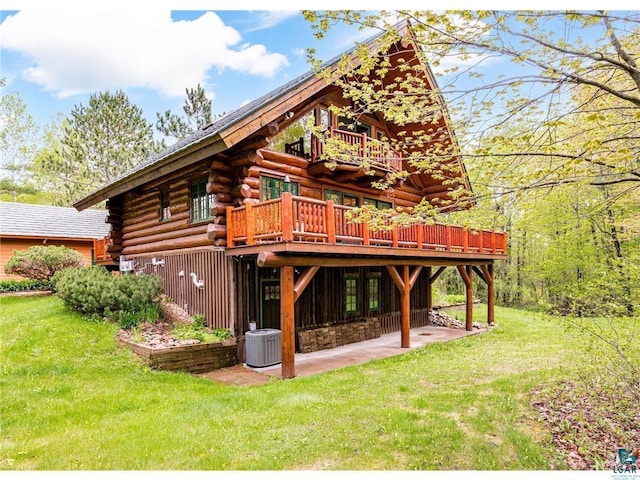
x=330, y=337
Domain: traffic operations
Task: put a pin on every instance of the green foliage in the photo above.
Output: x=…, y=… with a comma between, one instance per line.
x=198, y=330
x=96, y=292
x=97, y=143
x=197, y=108
x=41, y=263
x=23, y=285
x=130, y=319
x=18, y=137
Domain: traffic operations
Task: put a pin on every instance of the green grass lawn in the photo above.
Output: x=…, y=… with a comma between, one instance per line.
x=72, y=398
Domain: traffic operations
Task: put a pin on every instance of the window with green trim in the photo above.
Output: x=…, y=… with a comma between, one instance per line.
x=379, y=204
x=351, y=294
x=165, y=205
x=201, y=201
x=373, y=292
x=273, y=187
x=341, y=198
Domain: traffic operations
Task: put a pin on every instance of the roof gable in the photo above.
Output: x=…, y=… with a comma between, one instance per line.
x=231, y=129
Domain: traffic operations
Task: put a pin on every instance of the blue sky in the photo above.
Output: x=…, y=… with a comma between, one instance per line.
x=56, y=58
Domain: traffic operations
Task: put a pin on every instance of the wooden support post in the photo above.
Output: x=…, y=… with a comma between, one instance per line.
x=465, y=240
x=419, y=236
x=287, y=217
x=429, y=290
x=366, y=235
x=394, y=236
x=403, y=283
x=488, y=275
x=230, y=227
x=466, y=272
x=405, y=310
x=303, y=281
x=330, y=222
x=448, y=237
x=287, y=322
x=251, y=224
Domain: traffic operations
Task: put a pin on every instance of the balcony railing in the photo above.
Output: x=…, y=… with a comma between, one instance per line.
x=360, y=149
x=100, y=253
x=300, y=219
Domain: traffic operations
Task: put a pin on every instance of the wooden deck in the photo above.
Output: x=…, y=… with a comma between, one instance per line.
x=299, y=224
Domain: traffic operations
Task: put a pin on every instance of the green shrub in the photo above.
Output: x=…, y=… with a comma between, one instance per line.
x=23, y=285
x=96, y=292
x=41, y=263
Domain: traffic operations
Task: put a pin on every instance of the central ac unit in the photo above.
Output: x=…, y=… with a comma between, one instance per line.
x=263, y=347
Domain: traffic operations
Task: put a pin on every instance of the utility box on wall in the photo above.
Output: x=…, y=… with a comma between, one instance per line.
x=262, y=347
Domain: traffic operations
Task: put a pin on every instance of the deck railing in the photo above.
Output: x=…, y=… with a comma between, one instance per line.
x=363, y=148
x=300, y=219
x=100, y=249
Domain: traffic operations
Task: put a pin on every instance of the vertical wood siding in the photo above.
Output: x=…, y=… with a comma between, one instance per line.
x=211, y=266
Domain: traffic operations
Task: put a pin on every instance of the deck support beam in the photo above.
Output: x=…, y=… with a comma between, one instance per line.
x=487, y=270
x=287, y=321
x=466, y=272
x=404, y=283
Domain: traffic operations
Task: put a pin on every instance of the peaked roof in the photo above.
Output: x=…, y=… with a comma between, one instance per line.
x=215, y=136
x=26, y=220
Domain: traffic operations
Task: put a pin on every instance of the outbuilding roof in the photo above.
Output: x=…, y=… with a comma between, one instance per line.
x=26, y=220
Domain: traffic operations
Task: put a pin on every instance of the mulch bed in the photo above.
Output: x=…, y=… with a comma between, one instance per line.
x=589, y=422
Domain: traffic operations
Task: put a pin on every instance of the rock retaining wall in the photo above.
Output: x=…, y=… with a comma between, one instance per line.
x=335, y=336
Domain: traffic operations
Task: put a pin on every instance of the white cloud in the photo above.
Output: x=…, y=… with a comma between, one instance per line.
x=271, y=18
x=90, y=50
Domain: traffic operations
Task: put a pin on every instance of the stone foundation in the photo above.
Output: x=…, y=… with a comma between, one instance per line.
x=330, y=337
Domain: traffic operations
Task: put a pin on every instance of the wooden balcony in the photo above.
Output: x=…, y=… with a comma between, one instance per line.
x=362, y=155
x=291, y=219
x=100, y=254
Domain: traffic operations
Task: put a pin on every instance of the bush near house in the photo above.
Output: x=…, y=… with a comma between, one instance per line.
x=42, y=263
x=98, y=293
x=7, y=286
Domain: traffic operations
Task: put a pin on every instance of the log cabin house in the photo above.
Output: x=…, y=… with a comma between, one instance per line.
x=244, y=231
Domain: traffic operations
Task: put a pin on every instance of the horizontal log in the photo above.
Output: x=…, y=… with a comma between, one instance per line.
x=175, y=217
x=182, y=231
x=216, y=177
x=215, y=231
x=199, y=240
x=220, y=166
x=219, y=209
x=253, y=182
x=220, y=242
x=220, y=220
x=218, y=188
x=285, y=158
x=243, y=191
x=270, y=259
x=174, y=224
x=222, y=198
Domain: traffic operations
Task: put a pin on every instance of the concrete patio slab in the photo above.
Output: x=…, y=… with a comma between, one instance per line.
x=357, y=353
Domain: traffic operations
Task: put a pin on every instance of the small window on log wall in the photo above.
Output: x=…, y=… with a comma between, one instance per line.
x=273, y=187
x=351, y=293
x=373, y=292
x=165, y=205
x=201, y=201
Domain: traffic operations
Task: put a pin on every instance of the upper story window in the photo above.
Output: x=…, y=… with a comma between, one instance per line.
x=323, y=117
x=379, y=204
x=271, y=187
x=165, y=205
x=342, y=198
x=201, y=201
